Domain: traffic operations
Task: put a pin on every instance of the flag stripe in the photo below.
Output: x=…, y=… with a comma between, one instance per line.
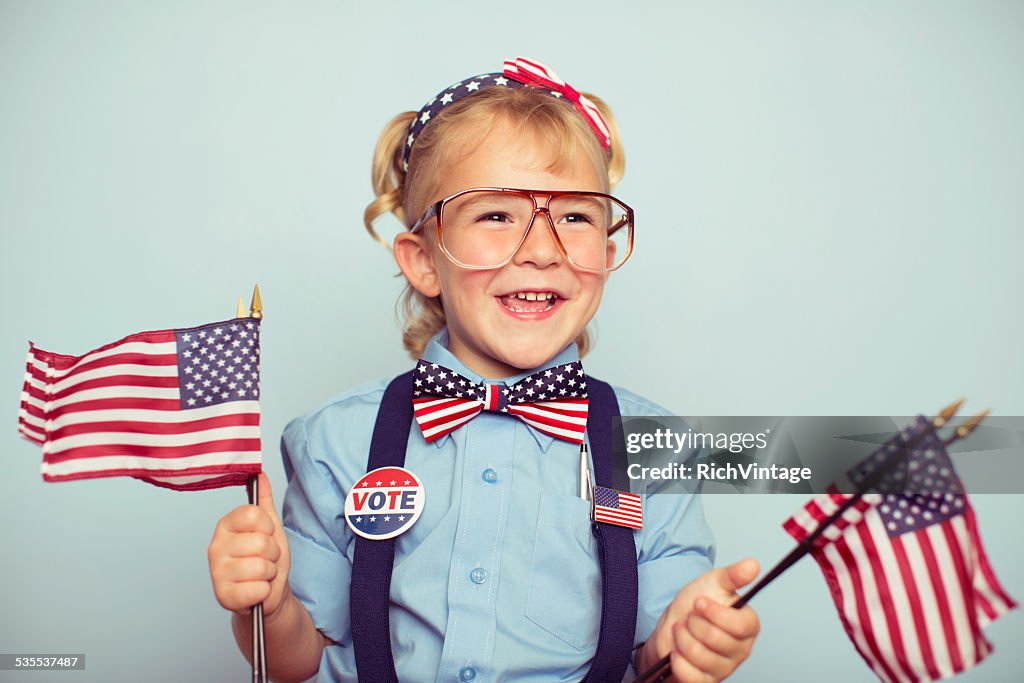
x=425, y=406
x=155, y=453
x=59, y=365
x=129, y=466
x=972, y=598
x=956, y=574
x=168, y=401
x=155, y=428
x=32, y=435
x=845, y=593
x=985, y=582
x=862, y=594
x=439, y=429
x=73, y=402
x=566, y=403
x=551, y=417
x=112, y=367
x=162, y=356
x=31, y=410
x=610, y=517
x=454, y=413
x=880, y=600
x=116, y=382
x=574, y=435
x=191, y=437
x=250, y=408
x=936, y=638
x=821, y=507
x=202, y=482
x=437, y=409
x=951, y=538
x=567, y=407
x=888, y=624
x=941, y=591
x=32, y=419
x=916, y=611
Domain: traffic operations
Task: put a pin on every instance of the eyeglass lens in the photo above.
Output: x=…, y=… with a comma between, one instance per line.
x=484, y=228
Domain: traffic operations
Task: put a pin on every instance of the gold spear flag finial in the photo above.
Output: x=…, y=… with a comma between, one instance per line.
x=240, y=313
x=966, y=428
x=947, y=413
x=256, y=308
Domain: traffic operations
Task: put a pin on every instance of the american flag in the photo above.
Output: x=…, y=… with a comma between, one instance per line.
x=553, y=401
x=176, y=408
x=616, y=507
x=907, y=571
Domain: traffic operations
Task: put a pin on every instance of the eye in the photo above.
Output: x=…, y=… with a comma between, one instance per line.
x=577, y=217
x=494, y=217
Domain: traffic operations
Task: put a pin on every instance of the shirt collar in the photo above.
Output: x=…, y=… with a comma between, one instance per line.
x=437, y=351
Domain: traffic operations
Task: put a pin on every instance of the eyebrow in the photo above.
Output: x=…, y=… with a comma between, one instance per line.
x=470, y=201
x=583, y=199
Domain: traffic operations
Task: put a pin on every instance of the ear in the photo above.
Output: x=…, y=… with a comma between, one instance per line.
x=415, y=257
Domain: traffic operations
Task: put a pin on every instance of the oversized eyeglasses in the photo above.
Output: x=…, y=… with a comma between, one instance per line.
x=484, y=227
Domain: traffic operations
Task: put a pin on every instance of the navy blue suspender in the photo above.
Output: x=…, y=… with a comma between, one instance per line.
x=374, y=560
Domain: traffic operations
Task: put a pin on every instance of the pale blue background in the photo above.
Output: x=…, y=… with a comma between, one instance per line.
x=829, y=202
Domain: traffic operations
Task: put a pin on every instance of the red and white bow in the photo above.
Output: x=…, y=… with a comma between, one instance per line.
x=537, y=74
x=552, y=401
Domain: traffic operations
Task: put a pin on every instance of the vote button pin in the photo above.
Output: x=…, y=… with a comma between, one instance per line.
x=384, y=503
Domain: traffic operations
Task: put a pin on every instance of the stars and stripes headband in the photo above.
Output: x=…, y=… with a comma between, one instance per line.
x=516, y=74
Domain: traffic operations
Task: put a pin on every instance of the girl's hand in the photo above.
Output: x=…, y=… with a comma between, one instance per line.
x=707, y=639
x=249, y=559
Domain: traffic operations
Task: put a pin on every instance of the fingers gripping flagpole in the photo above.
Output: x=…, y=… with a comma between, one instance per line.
x=661, y=670
x=259, y=646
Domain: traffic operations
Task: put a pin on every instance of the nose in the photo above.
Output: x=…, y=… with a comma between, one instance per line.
x=540, y=247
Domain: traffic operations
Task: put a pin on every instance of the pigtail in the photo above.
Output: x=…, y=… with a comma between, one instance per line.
x=388, y=175
x=615, y=153
x=423, y=317
x=420, y=317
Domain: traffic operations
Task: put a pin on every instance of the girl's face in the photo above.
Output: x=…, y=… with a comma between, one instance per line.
x=490, y=329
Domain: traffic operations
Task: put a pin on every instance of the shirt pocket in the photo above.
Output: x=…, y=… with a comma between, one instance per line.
x=565, y=576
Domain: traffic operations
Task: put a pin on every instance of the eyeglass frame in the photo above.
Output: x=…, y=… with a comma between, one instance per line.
x=435, y=210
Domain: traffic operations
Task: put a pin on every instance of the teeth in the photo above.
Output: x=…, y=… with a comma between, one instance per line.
x=548, y=297
x=533, y=296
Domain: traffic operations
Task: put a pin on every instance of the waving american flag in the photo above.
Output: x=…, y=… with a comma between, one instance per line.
x=906, y=567
x=178, y=408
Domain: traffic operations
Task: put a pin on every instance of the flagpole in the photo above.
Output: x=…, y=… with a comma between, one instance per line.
x=259, y=646
x=259, y=654
x=661, y=669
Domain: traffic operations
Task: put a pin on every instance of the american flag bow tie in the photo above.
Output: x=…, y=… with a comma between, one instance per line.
x=552, y=401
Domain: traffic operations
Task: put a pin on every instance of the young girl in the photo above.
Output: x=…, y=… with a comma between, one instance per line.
x=503, y=182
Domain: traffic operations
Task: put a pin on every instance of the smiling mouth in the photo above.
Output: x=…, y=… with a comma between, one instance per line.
x=529, y=302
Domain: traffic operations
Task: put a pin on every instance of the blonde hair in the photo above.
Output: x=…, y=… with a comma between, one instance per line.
x=407, y=193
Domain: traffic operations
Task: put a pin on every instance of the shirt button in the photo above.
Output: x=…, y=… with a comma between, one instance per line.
x=489, y=475
x=478, y=575
x=467, y=673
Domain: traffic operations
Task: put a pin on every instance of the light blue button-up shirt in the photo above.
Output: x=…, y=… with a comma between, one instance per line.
x=499, y=578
